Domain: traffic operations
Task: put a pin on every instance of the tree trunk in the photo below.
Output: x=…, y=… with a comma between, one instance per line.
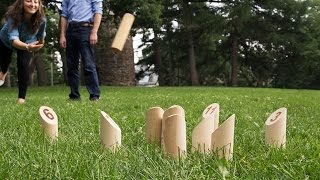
x=41, y=73
x=7, y=82
x=234, y=61
x=37, y=66
x=192, y=61
x=64, y=65
x=158, y=60
x=114, y=69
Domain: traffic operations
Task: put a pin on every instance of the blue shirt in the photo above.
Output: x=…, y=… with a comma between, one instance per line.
x=81, y=10
x=21, y=32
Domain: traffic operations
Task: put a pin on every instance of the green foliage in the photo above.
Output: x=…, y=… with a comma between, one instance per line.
x=26, y=154
x=4, y=7
x=278, y=39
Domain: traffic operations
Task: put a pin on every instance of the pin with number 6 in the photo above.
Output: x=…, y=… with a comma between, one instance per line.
x=49, y=122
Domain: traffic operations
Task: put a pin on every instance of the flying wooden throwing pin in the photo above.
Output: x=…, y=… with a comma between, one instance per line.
x=122, y=33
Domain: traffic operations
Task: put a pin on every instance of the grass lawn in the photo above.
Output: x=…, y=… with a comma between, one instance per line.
x=26, y=154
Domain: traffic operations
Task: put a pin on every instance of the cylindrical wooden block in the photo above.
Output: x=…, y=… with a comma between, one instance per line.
x=174, y=136
x=222, y=139
x=275, y=128
x=122, y=33
x=212, y=110
x=49, y=122
x=175, y=109
x=110, y=133
x=154, y=125
x=201, y=134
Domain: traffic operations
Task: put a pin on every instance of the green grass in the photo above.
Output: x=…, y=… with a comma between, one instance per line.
x=26, y=154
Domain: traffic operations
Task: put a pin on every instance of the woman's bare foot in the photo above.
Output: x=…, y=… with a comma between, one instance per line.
x=21, y=101
x=2, y=78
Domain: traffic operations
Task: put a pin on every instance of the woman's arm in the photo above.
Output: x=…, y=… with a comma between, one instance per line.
x=32, y=47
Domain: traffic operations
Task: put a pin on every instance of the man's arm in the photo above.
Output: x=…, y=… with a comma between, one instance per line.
x=96, y=25
x=63, y=28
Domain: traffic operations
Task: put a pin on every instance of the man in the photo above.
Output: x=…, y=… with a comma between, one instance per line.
x=79, y=24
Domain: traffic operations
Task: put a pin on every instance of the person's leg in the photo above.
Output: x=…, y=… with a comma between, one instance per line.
x=23, y=61
x=89, y=65
x=5, y=60
x=73, y=56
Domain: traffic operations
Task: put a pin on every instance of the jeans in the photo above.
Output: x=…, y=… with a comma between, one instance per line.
x=78, y=44
x=23, y=61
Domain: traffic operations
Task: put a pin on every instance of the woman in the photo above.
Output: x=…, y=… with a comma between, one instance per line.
x=24, y=32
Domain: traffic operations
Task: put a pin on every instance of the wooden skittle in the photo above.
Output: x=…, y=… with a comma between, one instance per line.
x=201, y=134
x=110, y=133
x=275, y=128
x=174, y=136
x=154, y=117
x=175, y=109
x=222, y=139
x=49, y=122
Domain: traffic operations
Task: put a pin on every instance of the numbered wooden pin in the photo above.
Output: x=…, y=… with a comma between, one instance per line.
x=49, y=122
x=110, y=133
x=201, y=134
x=275, y=128
x=122, y=33
x=174, y=136
x=212, y=111
x=222, y=139
x=154, y=117
x=175, y=109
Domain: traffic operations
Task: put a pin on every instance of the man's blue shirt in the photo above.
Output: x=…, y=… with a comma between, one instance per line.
x=22, y=33
x=81, y=10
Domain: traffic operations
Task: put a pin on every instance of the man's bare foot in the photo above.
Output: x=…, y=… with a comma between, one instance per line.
x=21, y=101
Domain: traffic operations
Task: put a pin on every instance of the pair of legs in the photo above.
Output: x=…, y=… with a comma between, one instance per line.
x=23, y=60
x=78, y=44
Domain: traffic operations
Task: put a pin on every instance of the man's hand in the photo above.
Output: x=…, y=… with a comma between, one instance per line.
x=93, y=38
x=63, y=41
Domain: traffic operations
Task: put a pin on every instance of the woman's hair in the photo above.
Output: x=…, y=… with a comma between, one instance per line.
x=16, y=12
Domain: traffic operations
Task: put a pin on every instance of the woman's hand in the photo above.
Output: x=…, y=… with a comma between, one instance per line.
x=32, y=47
x=35, y=46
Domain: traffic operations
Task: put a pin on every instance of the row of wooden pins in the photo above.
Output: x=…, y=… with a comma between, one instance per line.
x=110, y=132
x=168, y=130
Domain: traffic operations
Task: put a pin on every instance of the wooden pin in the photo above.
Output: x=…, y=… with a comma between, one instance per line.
x=222, y=139
x=154, y=125
x=275, y=128
x=122, y=33
x=175, y=109
x=110, y=133
x=174, y=136
x=201, y=134
x=49, y=122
